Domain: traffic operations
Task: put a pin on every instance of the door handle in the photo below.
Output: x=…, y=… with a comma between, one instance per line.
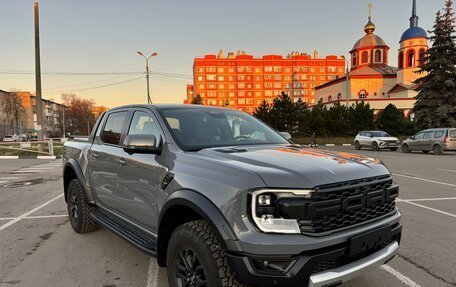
x=95, y=155
x=121, y=162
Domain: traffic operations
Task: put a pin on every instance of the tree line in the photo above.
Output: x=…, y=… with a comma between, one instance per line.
x=339, y=120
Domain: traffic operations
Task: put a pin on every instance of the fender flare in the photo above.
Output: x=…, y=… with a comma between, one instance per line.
x=204, y=207
x=74, y=166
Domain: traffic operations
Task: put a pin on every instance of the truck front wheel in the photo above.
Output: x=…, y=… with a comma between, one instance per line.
x=195, y=258
x=78, y=209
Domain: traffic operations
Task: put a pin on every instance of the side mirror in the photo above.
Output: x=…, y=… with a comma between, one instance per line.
x=141, y=143
x=285, y=135
x=412, y=138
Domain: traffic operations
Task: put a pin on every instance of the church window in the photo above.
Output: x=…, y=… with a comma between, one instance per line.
x=401, y=60
x=354, y=60
x=378, y=56
x=330, y=98
x=422, y=56
x=365, y=57
x=339, y=96
x=411, y=59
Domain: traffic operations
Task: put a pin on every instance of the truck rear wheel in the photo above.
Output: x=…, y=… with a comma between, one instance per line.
x=195, y=258
x=78, y=209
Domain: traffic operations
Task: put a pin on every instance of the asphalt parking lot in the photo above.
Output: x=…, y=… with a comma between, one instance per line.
x=39, y=248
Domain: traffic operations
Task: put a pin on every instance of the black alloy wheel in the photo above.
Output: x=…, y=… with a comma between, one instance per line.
x=189, y=270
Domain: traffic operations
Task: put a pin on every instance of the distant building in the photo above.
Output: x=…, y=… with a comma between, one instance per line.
x=52, y=116
x=242, y=82
x=371, y=79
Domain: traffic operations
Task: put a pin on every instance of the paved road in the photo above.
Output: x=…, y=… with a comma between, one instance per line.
x=39, y=248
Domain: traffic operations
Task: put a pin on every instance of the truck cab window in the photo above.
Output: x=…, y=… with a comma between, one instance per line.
x=113, y=128
x=142, y=123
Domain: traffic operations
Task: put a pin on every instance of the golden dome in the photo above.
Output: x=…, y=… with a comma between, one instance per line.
x=370, y=27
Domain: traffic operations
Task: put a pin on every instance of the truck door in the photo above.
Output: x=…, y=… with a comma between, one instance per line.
x=105, y=156
x=141, y=175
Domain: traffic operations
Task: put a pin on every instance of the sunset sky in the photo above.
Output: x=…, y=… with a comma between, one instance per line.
x=88, y=47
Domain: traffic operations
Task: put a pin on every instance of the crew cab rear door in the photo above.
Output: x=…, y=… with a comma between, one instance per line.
x=105, y=157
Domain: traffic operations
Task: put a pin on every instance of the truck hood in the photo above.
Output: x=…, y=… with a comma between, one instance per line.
x=292, y=166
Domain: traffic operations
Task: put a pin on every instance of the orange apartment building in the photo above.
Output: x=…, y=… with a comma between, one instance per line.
x=242, y=81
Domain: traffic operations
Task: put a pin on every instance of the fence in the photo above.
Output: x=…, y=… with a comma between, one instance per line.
x=48, y=147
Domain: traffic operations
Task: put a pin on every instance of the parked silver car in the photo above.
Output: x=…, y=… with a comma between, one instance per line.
x=376, y=140
x=436, y=140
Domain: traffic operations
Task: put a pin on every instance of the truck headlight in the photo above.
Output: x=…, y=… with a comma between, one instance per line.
x=265, y=212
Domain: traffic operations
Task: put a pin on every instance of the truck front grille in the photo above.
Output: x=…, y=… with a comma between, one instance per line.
x=342, y=205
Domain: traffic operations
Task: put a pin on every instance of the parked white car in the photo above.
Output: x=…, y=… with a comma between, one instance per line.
x=10, y=138
x=376, y=140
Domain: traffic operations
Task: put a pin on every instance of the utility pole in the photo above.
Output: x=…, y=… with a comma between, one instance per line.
x=149, y=100
x=63, y=126
x=39, y=104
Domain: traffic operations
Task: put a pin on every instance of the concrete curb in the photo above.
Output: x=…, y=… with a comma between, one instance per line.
x=28, y=157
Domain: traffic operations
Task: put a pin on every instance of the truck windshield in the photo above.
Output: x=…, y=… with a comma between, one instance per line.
x=198, y=128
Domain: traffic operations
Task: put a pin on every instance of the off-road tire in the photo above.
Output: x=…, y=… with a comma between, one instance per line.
x=437, y=149
x=405, y=148
x=357, y=145
x=199, y=237
x=375, y=146
x=81, y=222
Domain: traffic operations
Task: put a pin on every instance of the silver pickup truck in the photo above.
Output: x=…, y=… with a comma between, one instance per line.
x=221, y=199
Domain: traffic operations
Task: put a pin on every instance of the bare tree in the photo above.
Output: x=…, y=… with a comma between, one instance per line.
x=14, y=110
x=79, y=117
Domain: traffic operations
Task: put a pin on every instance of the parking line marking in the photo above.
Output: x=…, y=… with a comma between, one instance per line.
x=449, y=170
x=19, y=218
x=27, y=168
x=36, y=217
x=427, y=199
x=3, y=182
x=46, y=216
x=404, y=279
x=26, y=171
x=11, y=177
x=430, y=208
x=152, y=273
x=423, y=179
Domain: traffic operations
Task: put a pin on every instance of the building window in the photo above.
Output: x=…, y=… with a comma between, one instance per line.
x=422, y=56
x=365, y=57
x=221, y=70
x=330, y=98
x=401, y=60
x=363, y=94
x=320, y=101
x=268, y=69
x=339, y=96
x=211, y=77
x=354, y=60
x=411, y=59
x=378, y=56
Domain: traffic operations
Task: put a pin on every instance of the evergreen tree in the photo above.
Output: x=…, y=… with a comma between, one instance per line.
x=391, y=120
x=303, y=125
x=436, y=100
x=338, y=120
x=319, y=120
x=197, y=100
x=284, y=115
x=263, y=112
x=361, y=117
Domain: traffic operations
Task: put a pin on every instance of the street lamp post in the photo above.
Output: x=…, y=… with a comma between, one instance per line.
x=149, y=100
x=348, y=82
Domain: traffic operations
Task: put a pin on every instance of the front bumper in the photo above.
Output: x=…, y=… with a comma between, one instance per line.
x=343, y=274
x=323, y=267
x=388, y=144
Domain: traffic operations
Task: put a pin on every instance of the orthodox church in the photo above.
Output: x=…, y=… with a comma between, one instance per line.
x=371, y=79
